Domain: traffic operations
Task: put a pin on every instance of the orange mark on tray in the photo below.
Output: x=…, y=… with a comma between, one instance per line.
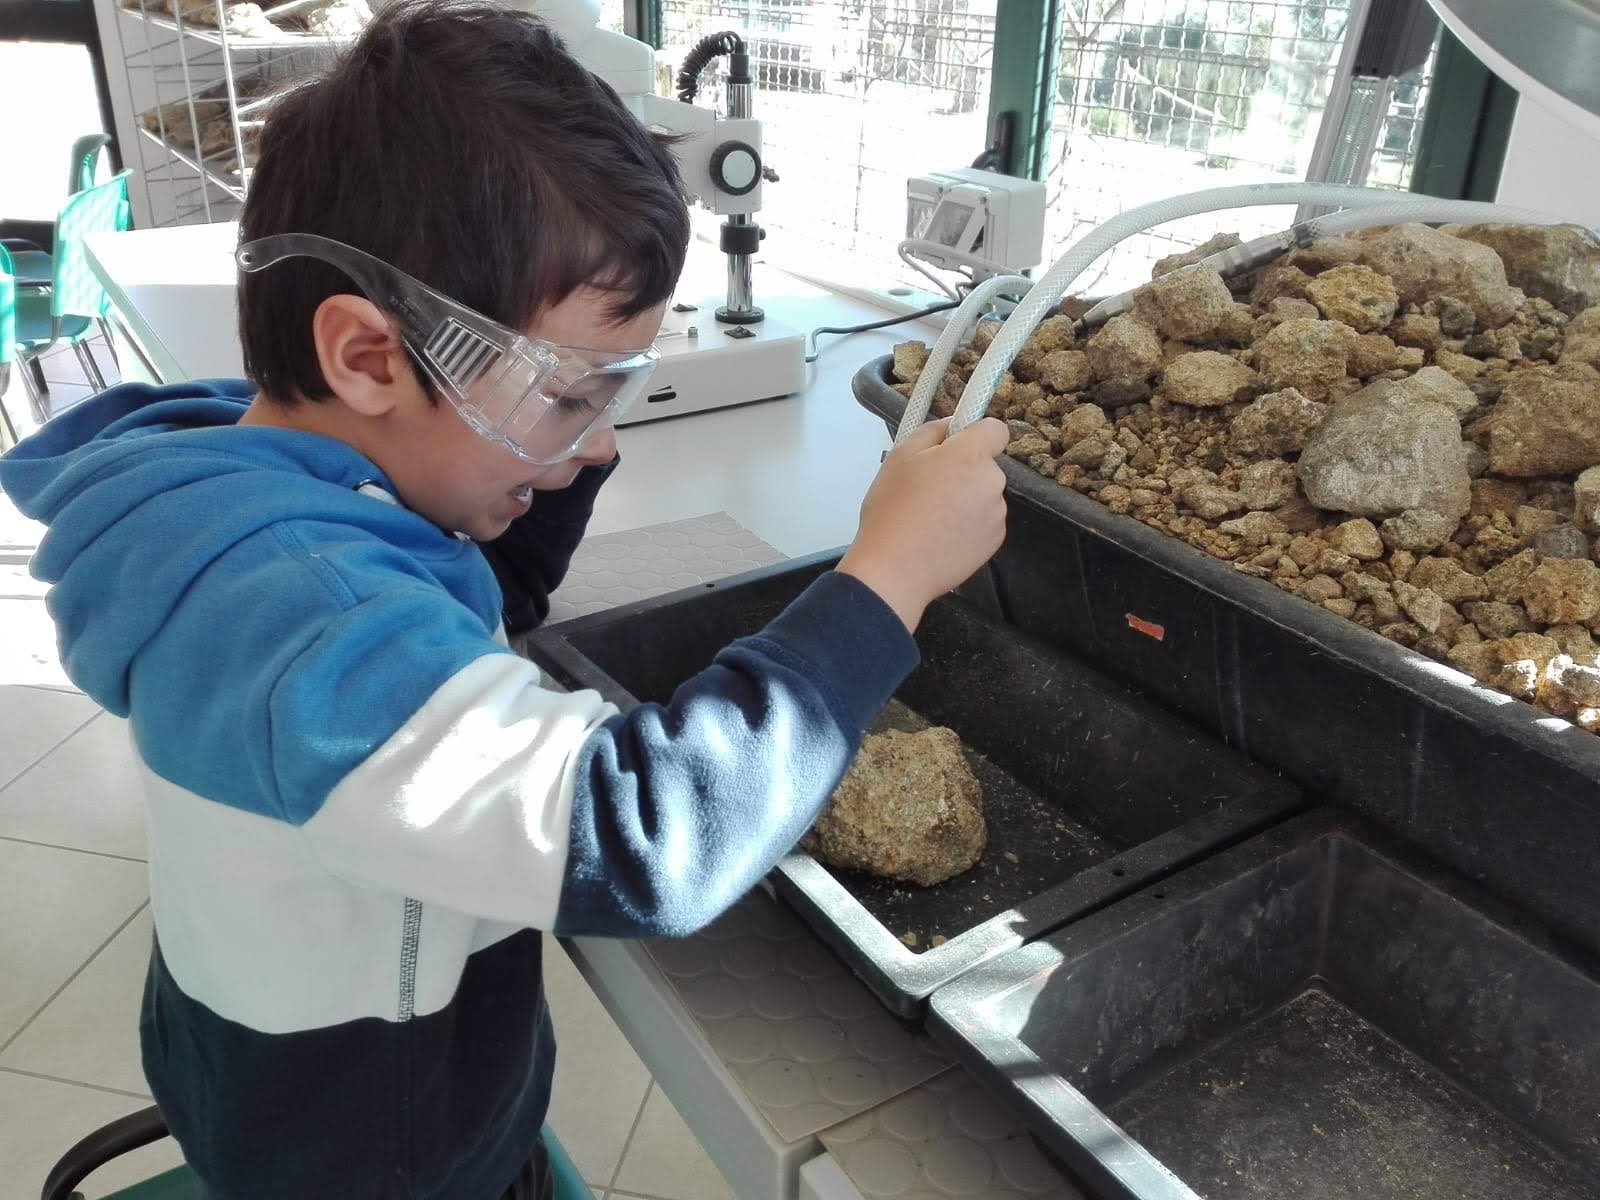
x=1148, y=628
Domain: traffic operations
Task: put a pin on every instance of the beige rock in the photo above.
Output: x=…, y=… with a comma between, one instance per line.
x=1582, y=344
x=1496, y=619
x=908, y=809
x=1448, y=579
x=1276, y=280
x=1254, y=529
x=1557, y=263
x=1423, y=606
x=1081, y=422
x=1356, y=296
x=1187, y=305
x=1545, y=425
x=1310, y=356
x=1125, y=349
x=1065, y=371
x=1268, y=484
x=1319, y=589
x=1418, y=531
x=909, y=359
x=1371, y=354
x=1358, y=538
x=1425, y=264
x=1462, y=366
x=1587, y=494
x=1207, y=379
x=1563, y=591
x=1507, y=580
x=1417, y=330
x=1275, y=424
x=1212, y=502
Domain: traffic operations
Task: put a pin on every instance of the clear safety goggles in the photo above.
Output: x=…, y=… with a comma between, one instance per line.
x=541, y=400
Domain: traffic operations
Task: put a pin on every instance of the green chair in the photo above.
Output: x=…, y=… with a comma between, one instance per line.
x=146, y=1126
x=74, y=302
x=8, y=343
x=31, y=262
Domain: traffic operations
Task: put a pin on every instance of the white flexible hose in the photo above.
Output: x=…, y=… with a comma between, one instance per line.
x=955, y=332
x=1054, y=284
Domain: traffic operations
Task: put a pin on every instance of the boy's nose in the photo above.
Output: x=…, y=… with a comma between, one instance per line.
x=599, y=449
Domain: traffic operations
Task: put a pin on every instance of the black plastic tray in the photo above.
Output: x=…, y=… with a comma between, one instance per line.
x=1092, y=792
x=1312, y=1014
x=1502, y=792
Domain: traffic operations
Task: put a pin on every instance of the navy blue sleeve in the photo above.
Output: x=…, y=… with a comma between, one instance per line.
x=679, y=809
x=530, y=559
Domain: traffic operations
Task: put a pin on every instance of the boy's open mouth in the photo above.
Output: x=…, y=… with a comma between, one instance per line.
x=523, y=494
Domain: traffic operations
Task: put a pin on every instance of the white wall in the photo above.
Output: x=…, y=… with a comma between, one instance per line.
x=1551, y=166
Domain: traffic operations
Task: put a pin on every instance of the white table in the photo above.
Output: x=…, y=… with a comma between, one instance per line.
x=792, y=471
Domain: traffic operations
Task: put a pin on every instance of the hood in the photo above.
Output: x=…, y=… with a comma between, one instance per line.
x=143, y=488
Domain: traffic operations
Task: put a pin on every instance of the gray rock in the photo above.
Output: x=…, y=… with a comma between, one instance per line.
x=1561, y=541
x=1418, y=531
x=1558, y=263
x=1586, y=493
x=1426, y=265
x=1268, y=484
x=1379, y=454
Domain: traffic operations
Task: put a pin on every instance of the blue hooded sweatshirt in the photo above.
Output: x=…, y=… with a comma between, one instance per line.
x=362, y=807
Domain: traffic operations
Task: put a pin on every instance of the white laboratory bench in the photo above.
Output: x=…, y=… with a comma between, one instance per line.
x=792, y=471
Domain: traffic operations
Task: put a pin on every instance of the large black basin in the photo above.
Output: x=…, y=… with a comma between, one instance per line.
x=1091, y=791
x=1312, y=1014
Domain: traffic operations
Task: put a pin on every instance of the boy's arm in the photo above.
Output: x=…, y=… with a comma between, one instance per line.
x=492, y=795
x=530, y=559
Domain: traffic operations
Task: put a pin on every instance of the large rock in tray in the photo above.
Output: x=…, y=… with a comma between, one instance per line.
x=1558, y=263
x=1545, y=425
x=1187, y=305
x=1380, y=453
x=1356, y=295
x=1207, y=379
x=1427, y=265
x=909, y=809
x=1309, y=356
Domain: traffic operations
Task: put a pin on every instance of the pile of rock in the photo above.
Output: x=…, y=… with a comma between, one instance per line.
x=1401, y=426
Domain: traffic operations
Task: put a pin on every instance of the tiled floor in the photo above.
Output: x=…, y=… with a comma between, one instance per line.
x=75, y=930
x=66, y=380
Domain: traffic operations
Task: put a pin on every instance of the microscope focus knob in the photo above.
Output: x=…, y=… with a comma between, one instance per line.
x=736, y=168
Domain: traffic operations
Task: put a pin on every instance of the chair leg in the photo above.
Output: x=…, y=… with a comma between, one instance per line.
x=86, y=357
x=33, y=383
x=111, y=342
x=5, y=417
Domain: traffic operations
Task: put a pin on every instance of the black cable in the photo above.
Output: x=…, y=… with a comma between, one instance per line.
x=713, y=45
x=812, y=357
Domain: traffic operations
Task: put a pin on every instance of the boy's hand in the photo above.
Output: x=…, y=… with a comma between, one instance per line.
x=934, y=515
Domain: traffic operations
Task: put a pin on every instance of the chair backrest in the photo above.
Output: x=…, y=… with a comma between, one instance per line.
x=8, y=308
x=74, y=290
x=85, y=160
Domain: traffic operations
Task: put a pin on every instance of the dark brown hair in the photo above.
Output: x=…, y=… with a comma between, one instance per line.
x=459, y=141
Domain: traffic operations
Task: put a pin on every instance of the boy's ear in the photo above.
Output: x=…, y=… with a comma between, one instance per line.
x=361, y=356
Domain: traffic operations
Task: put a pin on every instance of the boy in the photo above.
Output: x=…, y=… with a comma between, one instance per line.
x=362, y=808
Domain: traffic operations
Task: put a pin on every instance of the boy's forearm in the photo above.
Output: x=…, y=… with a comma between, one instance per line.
x=680, y=809
x=532, y=557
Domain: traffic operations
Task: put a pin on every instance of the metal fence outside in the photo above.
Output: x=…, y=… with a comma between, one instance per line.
x=1159, y=97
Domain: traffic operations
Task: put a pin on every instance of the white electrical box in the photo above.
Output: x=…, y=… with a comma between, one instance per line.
x=980, y=218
